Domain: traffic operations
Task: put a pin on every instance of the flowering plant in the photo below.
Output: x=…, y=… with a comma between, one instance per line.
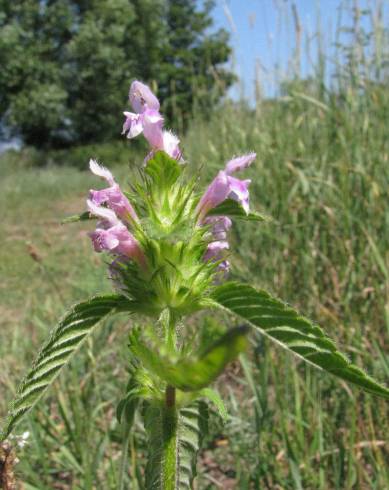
x=169, y=258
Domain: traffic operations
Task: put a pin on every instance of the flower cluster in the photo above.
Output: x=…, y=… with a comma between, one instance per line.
x=120, y=231
x=221, y=188
x=117, y=214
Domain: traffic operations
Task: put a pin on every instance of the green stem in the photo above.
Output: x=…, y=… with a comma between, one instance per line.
x=123, y=462
x=170, y=440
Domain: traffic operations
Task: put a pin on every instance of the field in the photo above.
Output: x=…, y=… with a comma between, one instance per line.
x=322, y=174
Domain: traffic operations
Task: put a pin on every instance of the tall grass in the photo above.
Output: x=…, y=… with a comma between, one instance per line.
x=322, y=173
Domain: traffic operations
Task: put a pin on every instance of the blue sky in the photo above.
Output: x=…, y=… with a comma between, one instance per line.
x=263, y=35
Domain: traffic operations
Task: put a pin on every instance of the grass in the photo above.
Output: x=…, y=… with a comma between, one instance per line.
x=322, y=173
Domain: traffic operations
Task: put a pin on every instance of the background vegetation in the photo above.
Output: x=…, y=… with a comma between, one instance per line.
x=323, y=175
x=67, y=64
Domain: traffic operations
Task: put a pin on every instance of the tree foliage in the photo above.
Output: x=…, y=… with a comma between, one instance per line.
x=66, y=65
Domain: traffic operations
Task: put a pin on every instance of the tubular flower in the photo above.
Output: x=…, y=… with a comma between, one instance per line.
x=142, y=98
x=148, y=120
x=225, y=187
x=239, y=163
x=220, y=226
x=111, y=235
x=216, y=252
x=112, y=196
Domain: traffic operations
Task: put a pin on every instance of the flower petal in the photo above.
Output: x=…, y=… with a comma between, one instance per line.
x=239, y=163
x=152, y=124
x=216, y=250
x=238, y=191
x=133, y=125
x=215, y=194
x=105, y=213
x=114, y=198
x=221, y=225
x=171, y=145
x=101, y=171
x=142, y=98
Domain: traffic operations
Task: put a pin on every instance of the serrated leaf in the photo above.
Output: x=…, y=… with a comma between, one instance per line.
x=214, y=397
x=293, y=331
x=64, y=340
x=163, y=170
x=174, y=437
x=193, y=374
x=233, y=209
x=85, y=216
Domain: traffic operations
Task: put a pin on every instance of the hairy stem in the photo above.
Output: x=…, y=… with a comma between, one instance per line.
x=170, y=440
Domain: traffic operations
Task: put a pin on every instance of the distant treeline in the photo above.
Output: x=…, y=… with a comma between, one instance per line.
x=67, y=65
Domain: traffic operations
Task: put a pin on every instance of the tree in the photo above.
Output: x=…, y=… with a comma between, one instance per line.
x=193, y=73
x=67, y=64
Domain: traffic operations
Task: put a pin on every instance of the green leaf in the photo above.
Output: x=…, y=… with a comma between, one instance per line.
x=214, y=397
x=293, y=331
x=174, y=437
x=232, y=208
x=163, y=170
x=85, y=216
x=193, y=374
x=64, y=340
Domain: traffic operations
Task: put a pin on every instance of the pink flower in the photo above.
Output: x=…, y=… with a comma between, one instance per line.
x=148, y=120
x=216, y=193
x=117, y=240
x=225, y=187
x=239, y=163
x=111, y=235
x=108, y=217
x=239, y=191
x=170, y=144
x=112, y=196
x=142, y=98
x=224, y=268
x=215, y=251
x=220, y=226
